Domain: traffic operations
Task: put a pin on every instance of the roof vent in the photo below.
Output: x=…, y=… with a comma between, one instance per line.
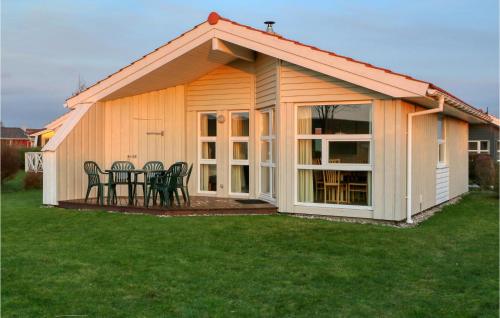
x=269, y=27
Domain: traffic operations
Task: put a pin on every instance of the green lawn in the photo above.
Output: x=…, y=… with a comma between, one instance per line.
x=63, y=262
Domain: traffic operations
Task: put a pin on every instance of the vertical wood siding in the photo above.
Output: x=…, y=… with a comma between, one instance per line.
x=425, y=157
x=389, y=144
x=227, y=87
x=457, y=132
x=85, y=142
x=121, y=130
x=265, y=77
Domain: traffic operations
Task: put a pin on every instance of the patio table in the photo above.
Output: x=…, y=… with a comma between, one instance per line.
x=129, y=182
x=136, y=173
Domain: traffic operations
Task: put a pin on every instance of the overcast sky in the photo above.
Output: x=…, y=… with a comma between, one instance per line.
x=46, y=45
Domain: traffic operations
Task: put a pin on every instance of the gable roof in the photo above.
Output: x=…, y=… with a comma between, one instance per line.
x=345, y=68
x=13, y=133
x=376, y=78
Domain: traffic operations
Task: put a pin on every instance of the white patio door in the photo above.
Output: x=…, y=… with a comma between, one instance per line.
x=267, y=164
x=239, y=165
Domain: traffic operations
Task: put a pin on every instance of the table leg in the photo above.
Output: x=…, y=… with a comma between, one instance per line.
x=130, y=199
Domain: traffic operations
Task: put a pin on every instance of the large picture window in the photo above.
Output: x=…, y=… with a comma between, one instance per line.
x=334, y=144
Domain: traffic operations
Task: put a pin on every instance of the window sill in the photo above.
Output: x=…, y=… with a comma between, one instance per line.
x=336, y=206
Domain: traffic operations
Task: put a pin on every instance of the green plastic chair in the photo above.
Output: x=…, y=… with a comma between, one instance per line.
x=185, y=174
x=151, y=169
x=166, y=184
x=94, y=180
x=120, y=178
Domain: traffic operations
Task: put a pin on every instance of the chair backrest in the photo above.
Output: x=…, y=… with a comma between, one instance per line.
x=92, y=170
x=153, y=165
x=331, y=177
x=183, y=172
x=121, y=177
x=166, y=179
x=177, y=170
x=189, y=174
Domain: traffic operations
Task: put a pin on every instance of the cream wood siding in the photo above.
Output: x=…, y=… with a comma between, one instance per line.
x=457, y=132
x=123, y=129
x=298, y=84
x=389, y=159
x=425, y=157
x=266, y=69
x=84, y=142
x=134, y=126
x=228, y=88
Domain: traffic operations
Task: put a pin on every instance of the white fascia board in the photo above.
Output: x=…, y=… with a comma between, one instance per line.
x=378, y=80
x=67, y=127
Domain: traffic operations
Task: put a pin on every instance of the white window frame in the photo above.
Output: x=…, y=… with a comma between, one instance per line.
x=442, y=141
x=325, y=164
x=239, y=162
x=478, y=149
x=202, y=139
x=271, y=163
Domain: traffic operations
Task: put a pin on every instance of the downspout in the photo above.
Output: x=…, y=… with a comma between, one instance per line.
x=410, y=153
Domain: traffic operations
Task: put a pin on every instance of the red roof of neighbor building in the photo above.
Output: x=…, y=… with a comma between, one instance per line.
x=213, y=18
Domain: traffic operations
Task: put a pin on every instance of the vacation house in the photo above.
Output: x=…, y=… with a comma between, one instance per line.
x=262, y=116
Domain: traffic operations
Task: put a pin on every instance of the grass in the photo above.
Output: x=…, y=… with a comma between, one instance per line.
x=63, y=262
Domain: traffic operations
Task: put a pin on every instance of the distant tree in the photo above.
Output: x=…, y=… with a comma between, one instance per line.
x=10, y=162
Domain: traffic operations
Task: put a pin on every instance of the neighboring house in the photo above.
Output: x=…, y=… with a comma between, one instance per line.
x=262, y=116
x=42, y=136
x=31, y=132
x=484, y=138
x=15, y=136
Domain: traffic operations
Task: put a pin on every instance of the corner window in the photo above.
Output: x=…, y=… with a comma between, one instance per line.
x=441, y=140
x=334, y=143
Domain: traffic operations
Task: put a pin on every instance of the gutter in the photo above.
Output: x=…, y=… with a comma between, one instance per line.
x=409, y=153
x=460, y=105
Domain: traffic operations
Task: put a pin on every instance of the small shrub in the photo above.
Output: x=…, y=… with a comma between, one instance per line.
x=484, y=170
x=10, y=162
x=33, y=180
x=496, y=186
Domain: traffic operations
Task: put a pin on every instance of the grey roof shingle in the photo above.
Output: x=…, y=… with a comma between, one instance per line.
x=13, y=133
